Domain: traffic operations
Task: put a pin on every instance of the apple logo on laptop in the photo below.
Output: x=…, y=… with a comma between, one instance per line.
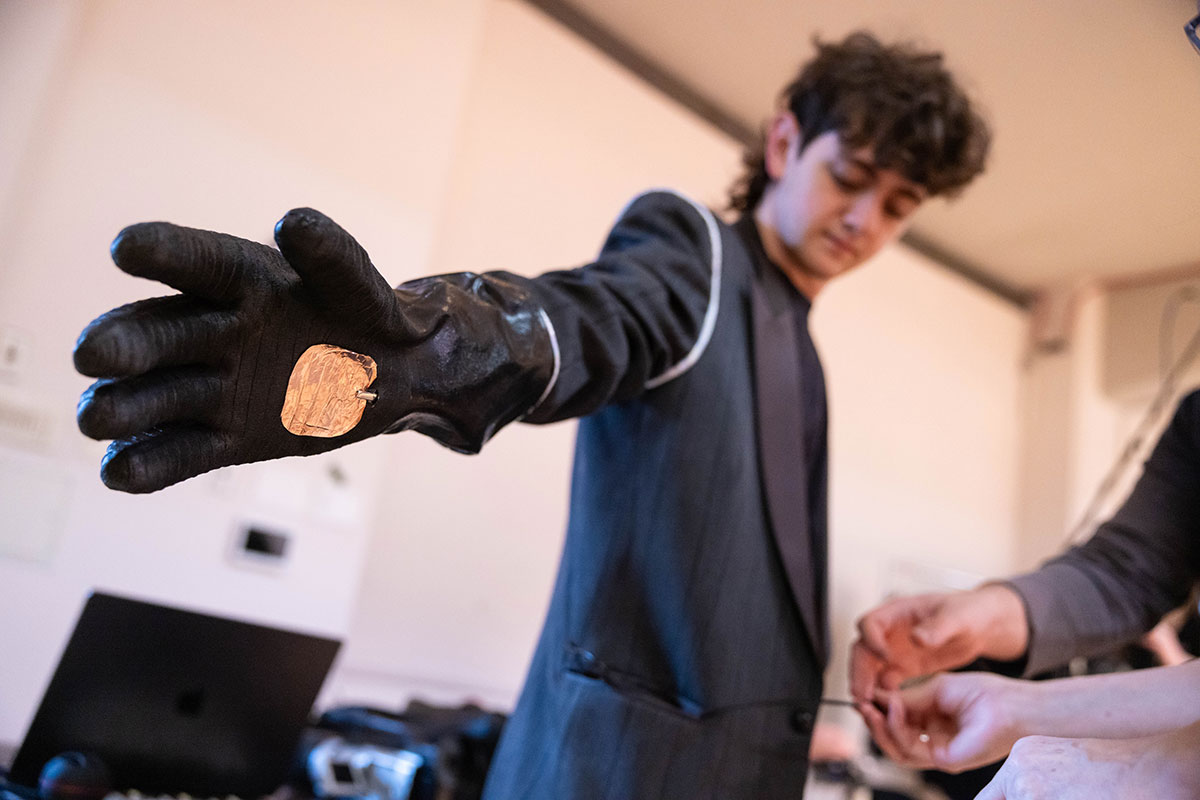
x=190, y=702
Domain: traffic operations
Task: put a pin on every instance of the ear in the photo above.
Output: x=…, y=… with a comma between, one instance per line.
x=783, y=136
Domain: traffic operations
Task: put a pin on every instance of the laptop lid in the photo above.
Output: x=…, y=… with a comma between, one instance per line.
x=178, y=702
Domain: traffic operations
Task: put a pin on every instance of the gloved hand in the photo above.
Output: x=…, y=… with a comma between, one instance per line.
x=197, y=381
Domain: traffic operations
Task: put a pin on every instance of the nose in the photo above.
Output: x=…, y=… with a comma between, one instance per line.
x=863, y=214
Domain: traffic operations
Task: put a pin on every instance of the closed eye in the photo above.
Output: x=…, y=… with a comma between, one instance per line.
x=849, y=183
x=902, y=204
x=900, y=210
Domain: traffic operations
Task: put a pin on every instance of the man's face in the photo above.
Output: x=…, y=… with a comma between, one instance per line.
x=830, y=207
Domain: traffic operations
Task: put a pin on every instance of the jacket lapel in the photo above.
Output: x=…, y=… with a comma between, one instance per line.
x=778, y=400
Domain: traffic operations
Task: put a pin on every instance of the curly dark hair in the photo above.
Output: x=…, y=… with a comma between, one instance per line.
x=897, y=98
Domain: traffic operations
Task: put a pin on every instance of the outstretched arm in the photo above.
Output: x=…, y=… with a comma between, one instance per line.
x=1138, y=566
x=268, y=353
x=215, y=376
x=960, y=721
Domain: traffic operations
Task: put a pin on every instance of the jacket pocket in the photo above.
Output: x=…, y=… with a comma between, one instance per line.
x=581, y=663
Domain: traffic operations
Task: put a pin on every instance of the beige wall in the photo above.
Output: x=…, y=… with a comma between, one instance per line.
x=1090, y=404
x=924, y=380
x=214, y=114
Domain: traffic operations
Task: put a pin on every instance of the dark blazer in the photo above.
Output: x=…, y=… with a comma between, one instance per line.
x=683, y=649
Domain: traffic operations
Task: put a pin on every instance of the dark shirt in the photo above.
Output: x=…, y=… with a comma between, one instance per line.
x=815, y=413
x=1138, y=566
x=812, y=376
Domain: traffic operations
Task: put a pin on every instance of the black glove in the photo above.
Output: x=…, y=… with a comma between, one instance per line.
x=197, y=381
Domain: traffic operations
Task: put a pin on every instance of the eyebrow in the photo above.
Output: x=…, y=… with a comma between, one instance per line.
x=919, y=194
x=861, y=162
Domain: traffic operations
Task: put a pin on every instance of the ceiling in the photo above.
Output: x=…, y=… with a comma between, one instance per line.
x=1095, y=107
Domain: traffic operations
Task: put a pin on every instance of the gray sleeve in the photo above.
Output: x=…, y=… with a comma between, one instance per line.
x=1139, y=565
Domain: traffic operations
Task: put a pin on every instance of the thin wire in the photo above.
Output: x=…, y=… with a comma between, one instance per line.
x=1162, y=398
x=1166, y=325
x=837, y=701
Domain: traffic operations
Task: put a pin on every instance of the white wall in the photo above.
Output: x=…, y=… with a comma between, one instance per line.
x=444, y=141
x=1090, y=402
x=924, y=381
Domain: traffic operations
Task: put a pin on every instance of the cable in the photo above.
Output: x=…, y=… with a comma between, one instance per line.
x=1169, y=376
x=1166, y=326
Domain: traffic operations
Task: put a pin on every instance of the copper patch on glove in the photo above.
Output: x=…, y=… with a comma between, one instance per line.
x=322, y=393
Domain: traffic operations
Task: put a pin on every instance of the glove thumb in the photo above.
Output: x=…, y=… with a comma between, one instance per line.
x=333, y=266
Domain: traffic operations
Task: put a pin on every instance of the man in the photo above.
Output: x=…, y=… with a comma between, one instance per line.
x=1116, y=586
x=684, y=646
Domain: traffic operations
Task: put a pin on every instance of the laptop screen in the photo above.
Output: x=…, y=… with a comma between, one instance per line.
x=178, y=702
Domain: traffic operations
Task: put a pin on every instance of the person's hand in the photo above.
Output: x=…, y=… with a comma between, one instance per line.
x=952, y=722
x=908, y=637
x=198, y=380
x=1047, y=768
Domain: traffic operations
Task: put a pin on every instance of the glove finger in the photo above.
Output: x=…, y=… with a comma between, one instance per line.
x=334, y=267
x=115, y=409
x=156, y=459
x=215, y=266
x=163, y=331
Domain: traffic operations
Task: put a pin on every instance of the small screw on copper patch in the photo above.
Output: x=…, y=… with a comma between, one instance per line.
x=327, y=391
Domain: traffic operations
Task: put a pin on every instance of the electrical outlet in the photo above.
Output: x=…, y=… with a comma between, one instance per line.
x=256, y=546
x=265, y=543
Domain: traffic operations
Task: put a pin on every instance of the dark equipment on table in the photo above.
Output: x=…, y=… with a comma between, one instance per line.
x=422, y=753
